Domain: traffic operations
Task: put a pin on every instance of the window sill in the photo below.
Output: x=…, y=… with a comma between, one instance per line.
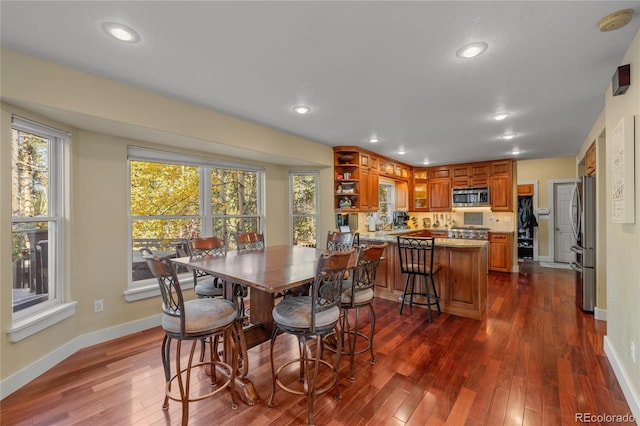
x=33, y=324
x=150, y=290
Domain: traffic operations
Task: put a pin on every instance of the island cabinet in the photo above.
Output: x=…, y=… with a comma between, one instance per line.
x=461, y=282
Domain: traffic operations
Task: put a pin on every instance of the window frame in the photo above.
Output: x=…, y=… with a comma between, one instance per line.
x=292, y=215
x=392, y=197
x=142, y=289
x=33, y=319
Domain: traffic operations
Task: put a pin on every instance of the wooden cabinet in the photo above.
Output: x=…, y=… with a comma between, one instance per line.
x=402, y=195
x=590, y=160
x=501, y=186
x=439, y=172
x=419, y=191
x=500, y=252
x=440, y=195
x=369, y=190
x=525, y=190
x=384, y=267
x=346, y=181
x=480, y=170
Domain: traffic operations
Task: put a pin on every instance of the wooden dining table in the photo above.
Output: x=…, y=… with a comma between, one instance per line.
x=268, y=272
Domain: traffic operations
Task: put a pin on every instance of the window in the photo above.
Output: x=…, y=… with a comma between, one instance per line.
x=386, y=201
x=176, y=197
x=303, y=189
x=37, y=216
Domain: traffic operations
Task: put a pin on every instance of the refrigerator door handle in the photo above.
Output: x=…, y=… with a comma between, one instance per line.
x=575, y=211
x=576, y=249
x=575, y=267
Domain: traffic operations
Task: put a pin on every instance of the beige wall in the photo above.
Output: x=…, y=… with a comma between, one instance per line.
x=543, y=171
x=96, y=222
x=623, y=240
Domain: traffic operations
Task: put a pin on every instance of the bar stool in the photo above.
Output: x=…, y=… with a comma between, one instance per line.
x=195, y=320
x=416, y=260
x=357, y=294
x=310, y=318
x=246, y=241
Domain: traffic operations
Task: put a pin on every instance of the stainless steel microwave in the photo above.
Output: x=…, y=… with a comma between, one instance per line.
x=470, y=197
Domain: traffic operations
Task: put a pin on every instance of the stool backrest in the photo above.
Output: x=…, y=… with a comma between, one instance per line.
x=327, y=286
x=172, y=300
x=340, y=241
x=249, y=241
x=364, y=273
x=416, y=255
x=205, y=246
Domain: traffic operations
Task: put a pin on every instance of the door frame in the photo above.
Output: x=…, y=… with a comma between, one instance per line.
x=535, y=211
x=552, y=215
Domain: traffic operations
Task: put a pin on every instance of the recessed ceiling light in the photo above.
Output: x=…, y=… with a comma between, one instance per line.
x=471, y=50
x=515, y=151
x=374, y=139
x=121, y=32
x=425, y=161
x=500, y=116
x=301, y=109
x=509, y=136
x=401, y=151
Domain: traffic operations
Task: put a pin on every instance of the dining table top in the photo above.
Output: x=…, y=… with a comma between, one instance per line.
x=271, y=269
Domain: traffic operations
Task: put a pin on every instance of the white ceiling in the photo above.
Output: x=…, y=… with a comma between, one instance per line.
x=384, y=68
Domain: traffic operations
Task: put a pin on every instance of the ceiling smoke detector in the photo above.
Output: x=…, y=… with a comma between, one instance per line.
x=616, y=20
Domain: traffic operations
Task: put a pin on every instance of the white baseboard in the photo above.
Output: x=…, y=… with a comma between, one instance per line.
x=27, y=374
x=624, y=380
x=600, y=314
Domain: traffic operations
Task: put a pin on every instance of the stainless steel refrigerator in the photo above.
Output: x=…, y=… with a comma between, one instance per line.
x=583, y=222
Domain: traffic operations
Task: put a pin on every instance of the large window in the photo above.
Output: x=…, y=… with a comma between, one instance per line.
x=303, y=188
x=175, y=197
x=36, y=210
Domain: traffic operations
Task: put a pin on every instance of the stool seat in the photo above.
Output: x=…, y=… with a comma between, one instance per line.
x=201, y=315
x=209, y=288
x=295, y=312
x=357, y=297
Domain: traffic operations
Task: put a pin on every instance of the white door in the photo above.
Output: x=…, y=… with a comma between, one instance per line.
x=563, y=235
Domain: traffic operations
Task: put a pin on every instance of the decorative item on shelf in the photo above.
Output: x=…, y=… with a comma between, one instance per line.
x=339, y=190
x=348, y=188
x=345, y=159
x=347, y=175
x=340, y=177
x=345, y=203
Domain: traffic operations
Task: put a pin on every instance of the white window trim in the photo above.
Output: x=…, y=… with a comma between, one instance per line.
x=292, y=173
x=39, y=317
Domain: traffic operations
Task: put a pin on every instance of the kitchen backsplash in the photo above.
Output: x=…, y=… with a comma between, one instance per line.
x=495, y=221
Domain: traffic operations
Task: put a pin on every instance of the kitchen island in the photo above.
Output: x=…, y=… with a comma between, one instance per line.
x=461, y=282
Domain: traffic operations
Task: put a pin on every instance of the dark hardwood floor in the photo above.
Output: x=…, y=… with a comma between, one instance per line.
x=535, y=360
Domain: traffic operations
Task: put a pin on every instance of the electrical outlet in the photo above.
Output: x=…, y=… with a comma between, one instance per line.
x=98, y=305
x=632, y=347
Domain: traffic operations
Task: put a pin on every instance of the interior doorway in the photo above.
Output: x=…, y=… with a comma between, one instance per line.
x=563, y=237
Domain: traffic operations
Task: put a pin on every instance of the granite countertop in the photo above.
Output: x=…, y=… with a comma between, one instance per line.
x=390, y=236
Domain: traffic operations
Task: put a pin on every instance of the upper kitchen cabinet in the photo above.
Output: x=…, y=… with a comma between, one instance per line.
x=347, y=183
x=357, y=176
x=590, y=160
x=418, y=191
x=501, y=186
x=440, y=189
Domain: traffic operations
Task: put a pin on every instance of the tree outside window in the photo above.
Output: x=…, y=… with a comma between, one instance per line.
x=304, y=207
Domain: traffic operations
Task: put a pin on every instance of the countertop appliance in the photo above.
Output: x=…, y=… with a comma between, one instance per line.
x=400, y=219
x=470, y=197
x=469, y=233
x=583, y=224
